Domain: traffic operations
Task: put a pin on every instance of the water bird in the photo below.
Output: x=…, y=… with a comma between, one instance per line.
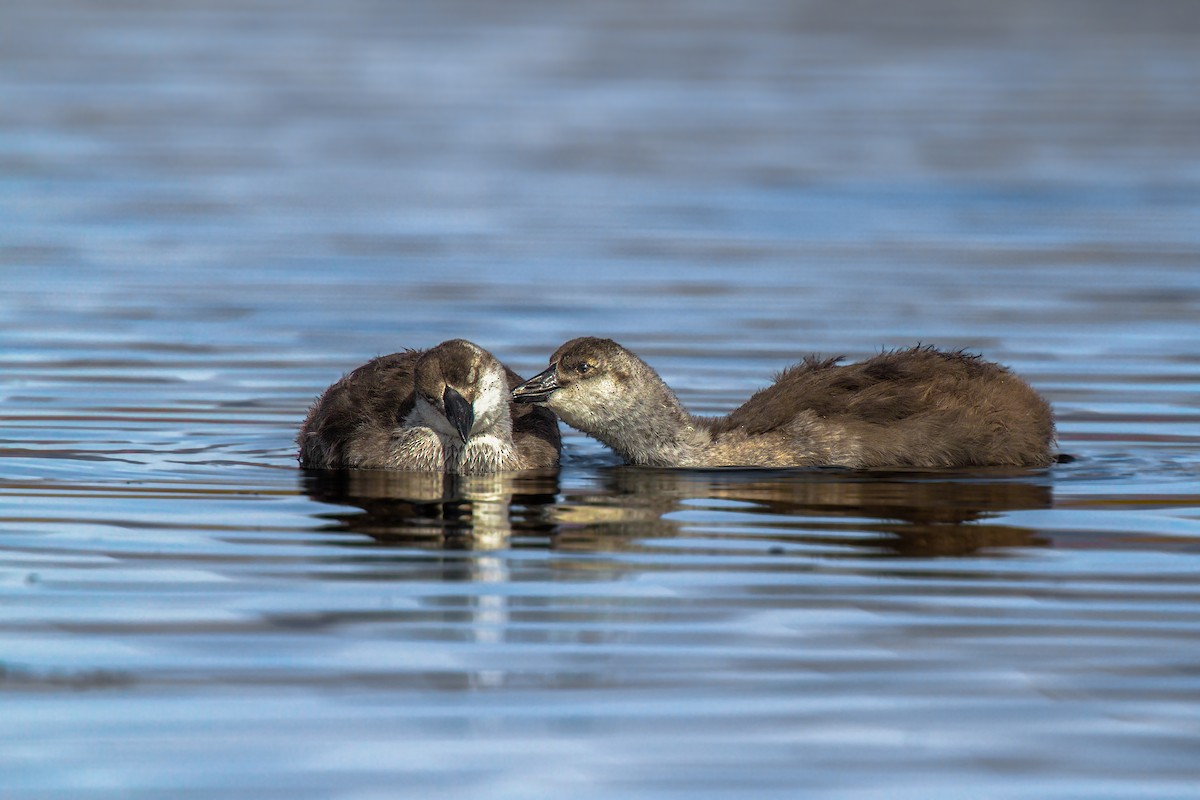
x=912, y=407
x=446, y=409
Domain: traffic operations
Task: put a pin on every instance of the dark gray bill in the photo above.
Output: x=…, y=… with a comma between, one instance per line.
x=538, y=388
x=459, y=412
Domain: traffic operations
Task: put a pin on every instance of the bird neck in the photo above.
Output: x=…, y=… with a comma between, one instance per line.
x=657, y=430
x=493, y=410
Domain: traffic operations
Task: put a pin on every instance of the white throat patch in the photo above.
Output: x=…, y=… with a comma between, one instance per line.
x=491, y=401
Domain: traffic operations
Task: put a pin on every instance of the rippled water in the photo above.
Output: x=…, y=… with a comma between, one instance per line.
x=209, y=211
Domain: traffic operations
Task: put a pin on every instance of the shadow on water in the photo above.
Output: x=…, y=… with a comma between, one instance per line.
x=899, y=514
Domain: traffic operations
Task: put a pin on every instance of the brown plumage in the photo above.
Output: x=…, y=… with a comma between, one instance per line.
x=446, y=409
x=917, y=407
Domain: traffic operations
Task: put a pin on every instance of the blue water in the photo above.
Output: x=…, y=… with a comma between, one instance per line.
x=210, y=211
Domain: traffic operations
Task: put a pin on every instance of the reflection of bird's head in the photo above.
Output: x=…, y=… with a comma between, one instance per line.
x=460, y=389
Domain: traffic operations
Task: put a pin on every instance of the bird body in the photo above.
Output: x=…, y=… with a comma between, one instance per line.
x=446, y=409
x=915, y=407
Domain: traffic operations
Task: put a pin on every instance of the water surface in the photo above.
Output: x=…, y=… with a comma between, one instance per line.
x=210, y=211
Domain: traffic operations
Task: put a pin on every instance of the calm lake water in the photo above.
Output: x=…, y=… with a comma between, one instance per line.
x=210, y=210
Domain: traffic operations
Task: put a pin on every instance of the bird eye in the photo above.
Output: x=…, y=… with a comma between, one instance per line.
x=583, y=368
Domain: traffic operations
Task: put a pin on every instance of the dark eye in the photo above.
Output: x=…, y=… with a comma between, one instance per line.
x=583, y=368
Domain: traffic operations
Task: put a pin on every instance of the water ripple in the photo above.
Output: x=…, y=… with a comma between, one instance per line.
x=210, y=211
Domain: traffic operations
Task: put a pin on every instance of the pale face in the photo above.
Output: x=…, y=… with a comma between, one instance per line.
x=587, y=384
x=590, y=401
x=460, y=390
x=432, y=413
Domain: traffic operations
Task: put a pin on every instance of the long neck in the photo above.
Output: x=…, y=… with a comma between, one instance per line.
x=658, y=431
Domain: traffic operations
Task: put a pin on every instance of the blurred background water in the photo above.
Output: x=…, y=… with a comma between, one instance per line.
x=210, y=210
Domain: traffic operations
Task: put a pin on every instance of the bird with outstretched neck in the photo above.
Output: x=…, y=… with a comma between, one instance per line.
x=915, y=407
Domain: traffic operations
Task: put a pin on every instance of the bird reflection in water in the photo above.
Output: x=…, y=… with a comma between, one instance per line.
x=829, y=513
x=485, y=514
x=435, y=510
